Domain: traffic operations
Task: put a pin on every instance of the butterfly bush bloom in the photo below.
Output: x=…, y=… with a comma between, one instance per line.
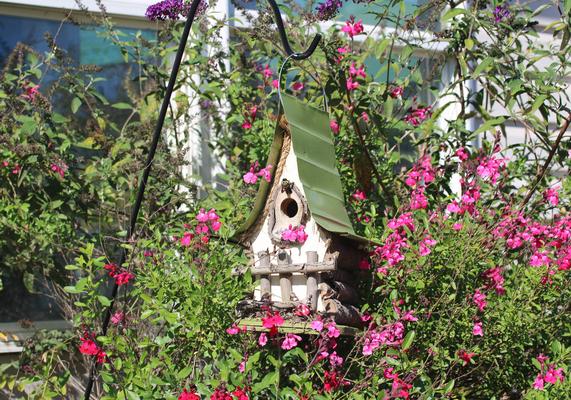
x=328, y=9
x=501, y=13
x=353, y=28
x=172, y=10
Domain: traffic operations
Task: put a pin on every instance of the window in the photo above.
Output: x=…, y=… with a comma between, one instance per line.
x=22, y=311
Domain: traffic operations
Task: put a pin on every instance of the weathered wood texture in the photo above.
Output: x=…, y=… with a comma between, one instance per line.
x=343, y=314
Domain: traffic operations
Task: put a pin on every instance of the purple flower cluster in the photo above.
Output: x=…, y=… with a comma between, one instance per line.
x=501, y=13
x=172, y=10
x=328, y=9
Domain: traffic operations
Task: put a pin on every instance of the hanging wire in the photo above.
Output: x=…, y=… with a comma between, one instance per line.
x=318, y=81
x=155, y=141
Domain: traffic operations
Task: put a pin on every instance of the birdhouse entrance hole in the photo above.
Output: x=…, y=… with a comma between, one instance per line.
x=289, y=207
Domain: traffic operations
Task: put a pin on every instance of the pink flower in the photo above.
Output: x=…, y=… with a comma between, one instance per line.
x=352, y=85
x=296, y=234
x=539, y=259
x=359, y=195
x=542, y=358
x=365, y=116
x=186, y=395
x=453, y=207
x=302, y=310
x=479, y=299
x=457, y=226
x=396, y=92
x=275, y=84
x=242, y=366
x=247, y=125
x=418, y=199
x=409, y=316
x=117, y=318
x=267, y=72
x=263, y=339
x=250, y=177
x=335, y=360
x=17, y=168
x=477, y=329
x=317, y=325
x=301, y=235
x=551, y=195
x=332, y=330
x=31, y=92
x=553, y=375
x=416, y=116
x=465, y=356
x=272, y=320
x=186, y=239
x=59, y=169
x=90, y=348
x=344, y=50
x=266, y=173
x=489, y=168
x=425, y=244
x=123, y=278
x=538, y=383
x=334, y=126
x=356, y=72
x=202, y=216
x=353, y=28
x=233, y=330
x=216, y=225
x=462, y=154
x=297, y=86
x=364, y=264
x=290, y=341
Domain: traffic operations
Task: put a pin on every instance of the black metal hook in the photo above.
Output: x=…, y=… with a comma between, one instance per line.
x=281, y=30
x=157, y=134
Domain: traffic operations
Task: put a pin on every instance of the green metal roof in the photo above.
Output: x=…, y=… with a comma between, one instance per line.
x=315, y=152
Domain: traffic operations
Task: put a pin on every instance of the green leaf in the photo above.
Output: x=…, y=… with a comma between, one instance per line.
x=105, y=302
x=75, y=104
x=408, y=340
x=453, y=13
x=269, y=380
x=122, y=106
x=469, y=43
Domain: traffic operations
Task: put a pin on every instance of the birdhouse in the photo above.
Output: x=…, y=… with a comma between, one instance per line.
x=303, y=247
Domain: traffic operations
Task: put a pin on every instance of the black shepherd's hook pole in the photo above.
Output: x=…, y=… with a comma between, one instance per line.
x=157, y=134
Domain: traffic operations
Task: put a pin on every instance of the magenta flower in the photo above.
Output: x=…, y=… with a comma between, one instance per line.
x=538, y=384
x=233, y=330
x=357, y=72
x=457, y=226
x=462, y=154
x=352, y=85
x=290, y=341
x=359, y=195
x=263, y=339
x=317, y=325
x=117, y=318
x=266, y=173
x=297, y=86
x=416, y=116
x=396, y=92
x=250, y=177
x=335, y=360
x=334, y=126
x=479, y=299
x=353, y=28
x=551, y=195
x=332, y=330
x=477, y=329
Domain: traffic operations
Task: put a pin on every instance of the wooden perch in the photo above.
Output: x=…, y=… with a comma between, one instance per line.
x=342, y=314
x=339, y=291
